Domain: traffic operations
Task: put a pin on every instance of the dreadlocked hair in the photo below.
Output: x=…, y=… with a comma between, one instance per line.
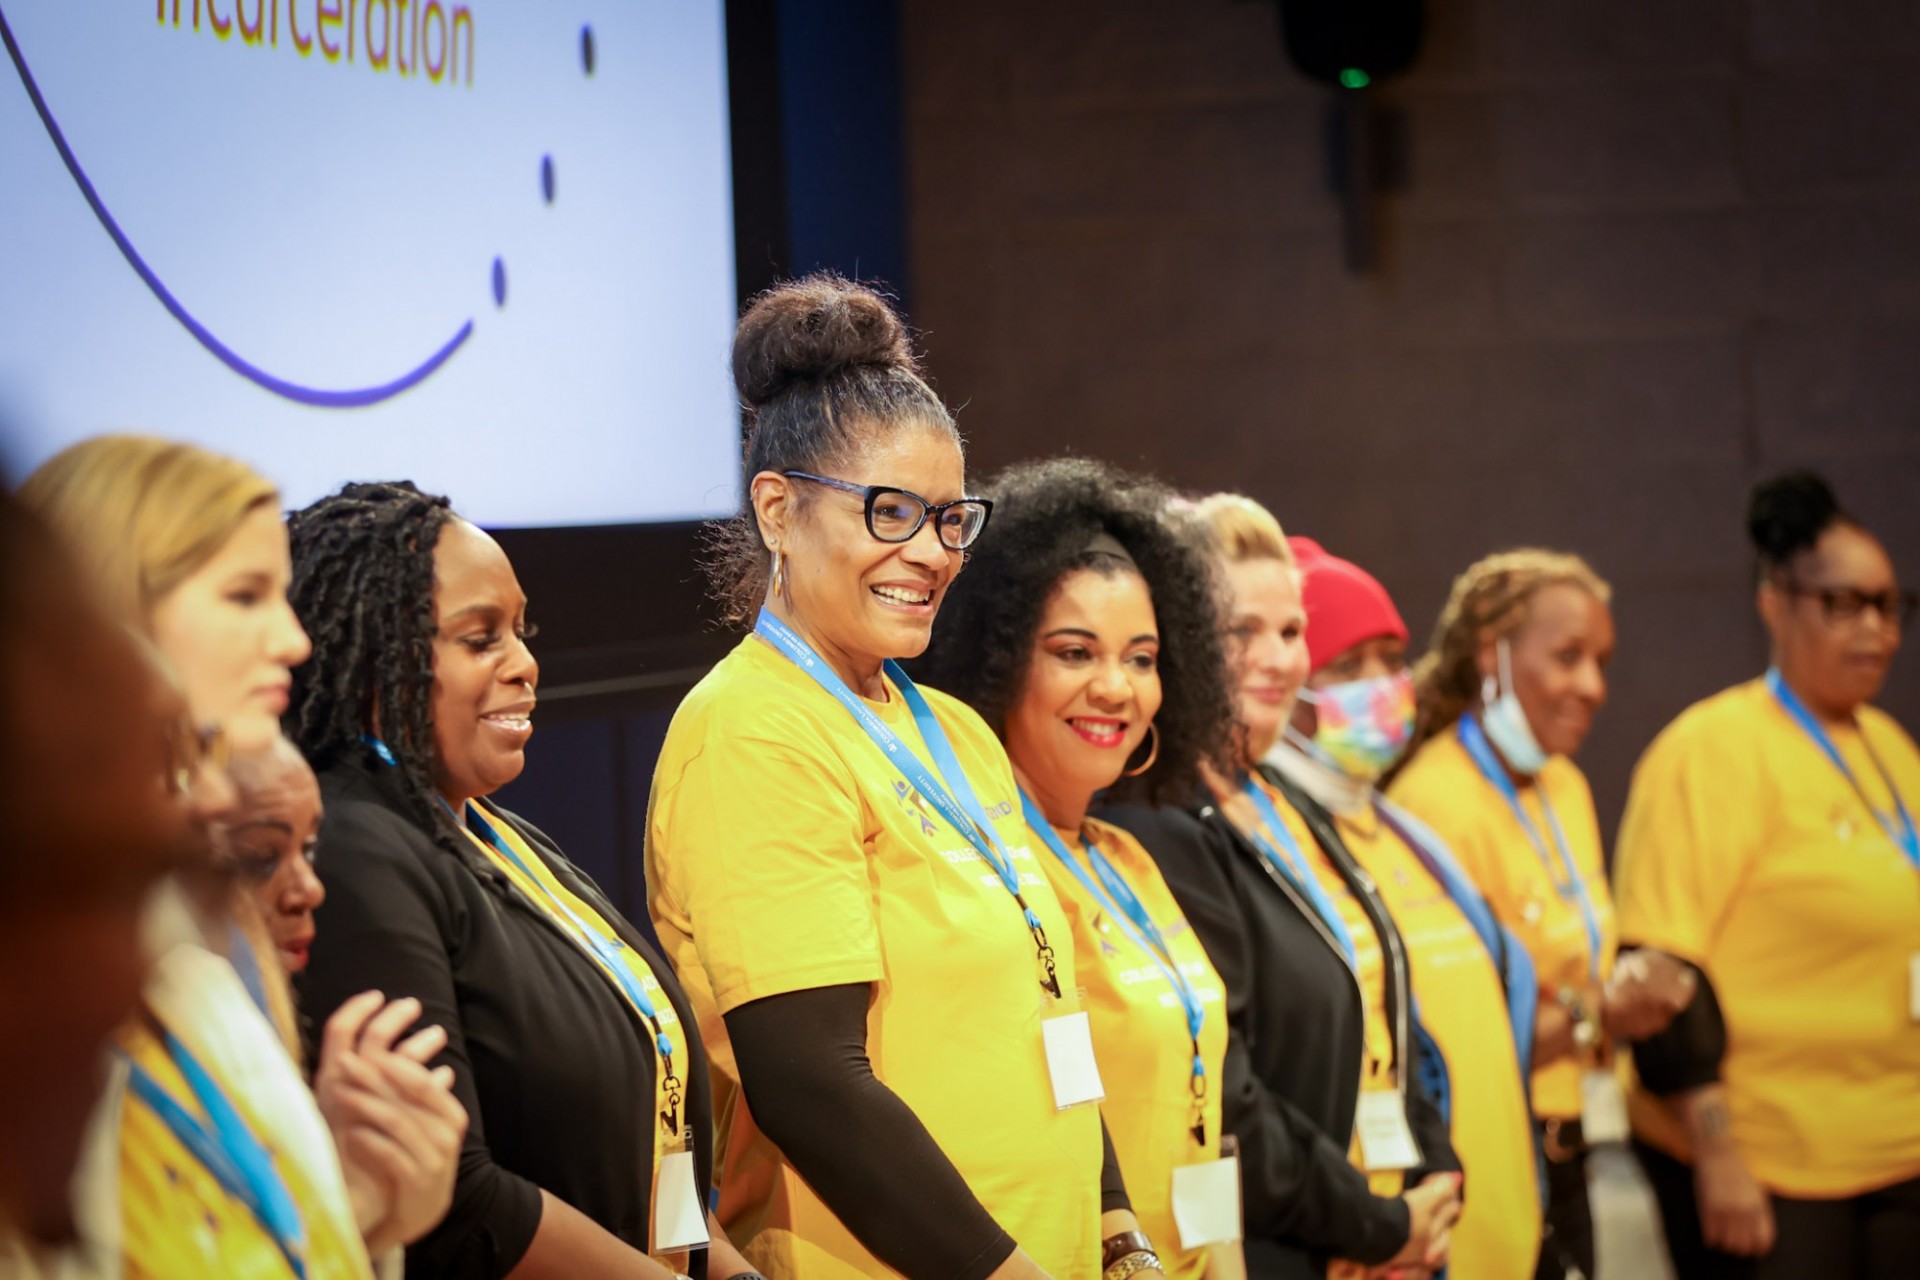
x=1045, y=516
x=363, y=589
x=1491, y=599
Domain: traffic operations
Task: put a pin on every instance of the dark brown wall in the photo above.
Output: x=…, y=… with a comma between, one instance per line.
x=1652, y=251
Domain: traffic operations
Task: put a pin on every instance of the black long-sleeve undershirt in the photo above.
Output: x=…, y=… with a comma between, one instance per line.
x=1687, y=1054
x=803, y=1064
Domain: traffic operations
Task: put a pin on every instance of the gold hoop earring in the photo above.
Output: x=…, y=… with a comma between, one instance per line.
x=778, y=576
x=1153, y=736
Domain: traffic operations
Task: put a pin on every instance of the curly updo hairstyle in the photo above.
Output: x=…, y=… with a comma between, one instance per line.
x=823, y=366
x=1492, y=598
x=1045, y=515
x=363, y=589
x=1786, y=516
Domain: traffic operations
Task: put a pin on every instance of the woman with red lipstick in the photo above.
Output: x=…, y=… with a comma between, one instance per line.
x=1083, y=632
x=1504, y=697
x=838, y=864
x=565, y=1034
x=1769, y=843
x=271, y=836
x=1346, y=1165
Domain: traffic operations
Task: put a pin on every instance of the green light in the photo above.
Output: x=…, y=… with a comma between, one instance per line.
x=1355, y=78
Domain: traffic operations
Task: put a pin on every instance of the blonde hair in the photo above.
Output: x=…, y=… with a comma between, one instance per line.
x=142, y=514
x=1489, y=600
x=1238, y=528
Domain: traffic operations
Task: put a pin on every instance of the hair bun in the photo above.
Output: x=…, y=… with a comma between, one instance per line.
x=1787, y=514
x=811, y=328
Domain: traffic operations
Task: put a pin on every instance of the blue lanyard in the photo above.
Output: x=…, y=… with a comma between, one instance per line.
x=1290, y=862
x=965, y=814
x=607, y=951
x=1567, y=881
x=237, y=1160
x=1112, y=892
x=1899, y=826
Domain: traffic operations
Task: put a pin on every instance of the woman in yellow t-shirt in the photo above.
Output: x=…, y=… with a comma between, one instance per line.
x=1476, y=982
x=1769, y=842
x=1504, y=697
x=1083, y=633
x=837, y=862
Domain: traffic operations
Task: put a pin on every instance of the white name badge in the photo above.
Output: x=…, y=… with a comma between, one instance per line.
x=1603, y=1108
x=1913, y=986
x=1070, y=1062
x=1206, y=1203
x=1386, y=1140
x=679, y=1213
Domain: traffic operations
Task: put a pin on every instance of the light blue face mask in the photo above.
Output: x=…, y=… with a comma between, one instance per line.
x=1505, y=720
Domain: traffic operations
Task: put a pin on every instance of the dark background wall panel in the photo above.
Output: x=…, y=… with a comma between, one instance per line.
x=1649, y=253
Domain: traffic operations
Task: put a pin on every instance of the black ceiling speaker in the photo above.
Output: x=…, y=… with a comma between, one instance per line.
x=1352, y=43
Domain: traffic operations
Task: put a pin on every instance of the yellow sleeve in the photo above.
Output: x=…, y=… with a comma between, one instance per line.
x=1695, y=820
x=765, y=849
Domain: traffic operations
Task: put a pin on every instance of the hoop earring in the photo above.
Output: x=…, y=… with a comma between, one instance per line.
x=778, y=576
x=1153, y=753
x=1489, y=690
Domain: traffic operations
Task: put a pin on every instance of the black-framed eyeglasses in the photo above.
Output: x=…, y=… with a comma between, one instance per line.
x=1844, y=604
x=895, y=515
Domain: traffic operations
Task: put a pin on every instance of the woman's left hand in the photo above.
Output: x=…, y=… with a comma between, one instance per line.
x=396, y=1124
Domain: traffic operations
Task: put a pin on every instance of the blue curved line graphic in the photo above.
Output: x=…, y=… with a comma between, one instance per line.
x=349, y=399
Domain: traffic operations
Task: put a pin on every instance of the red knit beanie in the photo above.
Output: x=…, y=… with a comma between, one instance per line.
x=1345, y=604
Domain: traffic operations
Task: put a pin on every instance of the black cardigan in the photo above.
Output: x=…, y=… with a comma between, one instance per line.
x=1295, y=1039
x=555, y=1068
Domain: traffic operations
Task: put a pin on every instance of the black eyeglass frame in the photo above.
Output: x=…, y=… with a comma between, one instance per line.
x=1845, y=604
x=870, y=493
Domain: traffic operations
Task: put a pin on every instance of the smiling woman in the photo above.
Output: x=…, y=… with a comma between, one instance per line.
x=568, y=1039
x=1085, y=633
x=834, y=860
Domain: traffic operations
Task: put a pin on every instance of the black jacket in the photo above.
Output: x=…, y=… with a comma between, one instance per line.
x=555, y=1068
x=1295, y=1028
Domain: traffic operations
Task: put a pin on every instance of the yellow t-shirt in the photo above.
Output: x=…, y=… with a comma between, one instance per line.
x=536, y=880
x=784, y=853
x=1443, y=787
x=1369, y=967
x=1140, y=1034
x=179, y=1223
x=1464, y=1008
x=1747, y=853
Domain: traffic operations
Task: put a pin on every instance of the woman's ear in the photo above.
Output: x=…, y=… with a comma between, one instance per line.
x=1486, y=656
x=773, y=499
x=1771, y=601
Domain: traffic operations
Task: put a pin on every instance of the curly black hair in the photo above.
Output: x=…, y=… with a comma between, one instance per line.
x=1044, y=515
x=363, y=589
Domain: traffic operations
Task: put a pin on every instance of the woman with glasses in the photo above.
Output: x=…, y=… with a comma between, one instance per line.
x=225, y=1161
x=838, y=864
x=1769, y=842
